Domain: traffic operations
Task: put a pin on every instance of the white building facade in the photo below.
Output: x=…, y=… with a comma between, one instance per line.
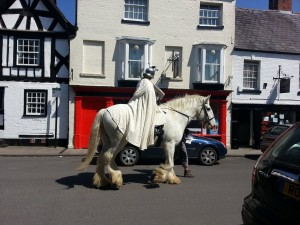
x=190, y=42
x=34, y=73
x=266, y=73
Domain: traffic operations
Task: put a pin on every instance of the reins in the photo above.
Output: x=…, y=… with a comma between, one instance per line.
x=175, y=110
x=188, y=117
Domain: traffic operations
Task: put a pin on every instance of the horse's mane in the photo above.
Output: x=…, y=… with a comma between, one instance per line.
x=181, y=101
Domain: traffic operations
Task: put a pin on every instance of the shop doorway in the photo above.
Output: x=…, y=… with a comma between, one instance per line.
x=244, y=128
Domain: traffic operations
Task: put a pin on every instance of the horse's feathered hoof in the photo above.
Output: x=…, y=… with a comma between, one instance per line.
x=159, y=176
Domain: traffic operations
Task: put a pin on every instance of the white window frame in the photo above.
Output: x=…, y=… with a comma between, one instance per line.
x=252, y=75
x=28, y=52
x=210, y=15
x=201, y=62
x=136, y=10
x=124, y=60
x=35, y=103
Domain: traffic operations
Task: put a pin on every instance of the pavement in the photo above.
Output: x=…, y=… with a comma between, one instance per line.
x=61, y=151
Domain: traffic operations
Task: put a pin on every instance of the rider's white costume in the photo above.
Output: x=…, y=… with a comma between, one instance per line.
x=137, y=123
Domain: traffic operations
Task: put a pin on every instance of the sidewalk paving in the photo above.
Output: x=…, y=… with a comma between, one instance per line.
x=60, y=151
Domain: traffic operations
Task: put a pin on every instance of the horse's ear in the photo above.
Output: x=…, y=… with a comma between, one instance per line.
x=207, y=98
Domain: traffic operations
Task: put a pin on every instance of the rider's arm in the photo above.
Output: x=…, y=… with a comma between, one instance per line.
x=159, y=93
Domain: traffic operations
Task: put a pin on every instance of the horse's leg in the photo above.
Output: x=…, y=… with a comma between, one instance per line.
x=100, y=180
x=169, y=163
x=114, y=173
x=165, y=173
x=116, y=143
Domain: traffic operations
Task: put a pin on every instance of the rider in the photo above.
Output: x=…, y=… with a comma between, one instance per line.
x=144, y=107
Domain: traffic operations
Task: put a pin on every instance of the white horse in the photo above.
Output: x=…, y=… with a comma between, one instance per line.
x=179, y=112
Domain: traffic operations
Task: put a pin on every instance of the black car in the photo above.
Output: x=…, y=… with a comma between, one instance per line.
x=271, y=135
x=275, y=196
x=207, y=150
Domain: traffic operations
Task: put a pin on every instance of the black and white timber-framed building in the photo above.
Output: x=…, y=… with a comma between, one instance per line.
x=34, y=72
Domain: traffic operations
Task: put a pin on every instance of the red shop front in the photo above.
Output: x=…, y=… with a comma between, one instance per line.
x=89, y=100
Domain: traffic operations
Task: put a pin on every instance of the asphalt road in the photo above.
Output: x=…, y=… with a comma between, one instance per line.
x=48, y=190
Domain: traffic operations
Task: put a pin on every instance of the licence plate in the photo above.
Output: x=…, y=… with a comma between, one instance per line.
x=291, y=190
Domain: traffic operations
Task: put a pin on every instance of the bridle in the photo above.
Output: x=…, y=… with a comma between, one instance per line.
x=208, y=119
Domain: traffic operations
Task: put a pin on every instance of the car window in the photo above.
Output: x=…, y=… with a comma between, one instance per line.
x=287, y=148
x=277, y=130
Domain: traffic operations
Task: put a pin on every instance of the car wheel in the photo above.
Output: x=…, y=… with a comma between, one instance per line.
x=208, y=156
x=129, y=156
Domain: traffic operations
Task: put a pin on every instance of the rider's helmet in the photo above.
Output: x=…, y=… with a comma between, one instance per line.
x=149, y=72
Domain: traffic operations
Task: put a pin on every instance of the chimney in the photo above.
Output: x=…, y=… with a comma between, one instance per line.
x=285, y=5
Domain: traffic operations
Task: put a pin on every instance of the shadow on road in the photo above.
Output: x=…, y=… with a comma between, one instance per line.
x=141, y=178
x=86, y=179
x=82, y=179
x=252, y=157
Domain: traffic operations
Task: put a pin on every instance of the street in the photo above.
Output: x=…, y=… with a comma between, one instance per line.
x=49, y=190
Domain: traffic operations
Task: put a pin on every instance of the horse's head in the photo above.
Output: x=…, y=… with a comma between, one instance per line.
x=206, y=114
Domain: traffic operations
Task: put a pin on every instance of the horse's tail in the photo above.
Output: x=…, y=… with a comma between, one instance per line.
x=93, y=142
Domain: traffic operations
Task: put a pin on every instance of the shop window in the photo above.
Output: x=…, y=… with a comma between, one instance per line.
x=271, y=118
x=35, y=103
x=251, y=75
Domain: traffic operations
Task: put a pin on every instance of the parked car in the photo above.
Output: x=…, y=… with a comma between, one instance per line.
x=207, y=150
x=270, y=136
x=275, y=196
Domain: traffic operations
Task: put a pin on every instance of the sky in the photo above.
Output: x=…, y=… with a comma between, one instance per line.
x=68, y=6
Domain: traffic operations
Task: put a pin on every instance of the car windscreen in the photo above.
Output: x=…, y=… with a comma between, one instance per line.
x=277, y=130
x=287, y=148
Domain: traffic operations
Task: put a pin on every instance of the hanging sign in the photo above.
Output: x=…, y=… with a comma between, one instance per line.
x=285, y=85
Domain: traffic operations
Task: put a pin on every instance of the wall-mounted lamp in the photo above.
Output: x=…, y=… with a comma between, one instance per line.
x=265, y=85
